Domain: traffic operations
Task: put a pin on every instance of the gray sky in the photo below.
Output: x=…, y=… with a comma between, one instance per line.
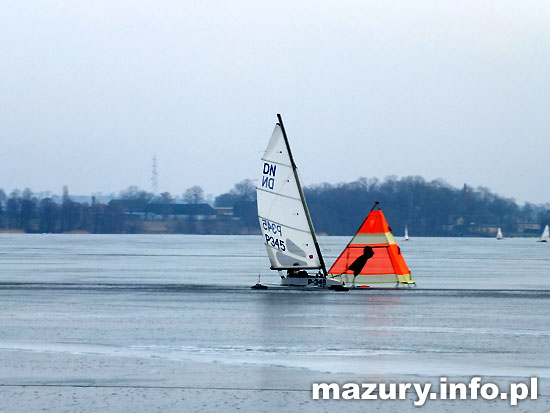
x=91, y=90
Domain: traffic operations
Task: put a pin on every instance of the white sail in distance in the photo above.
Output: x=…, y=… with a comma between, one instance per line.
x=283, y=221
x=545, y=236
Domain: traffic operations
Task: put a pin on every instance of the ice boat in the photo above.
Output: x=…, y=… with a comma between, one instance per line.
x=372, y=257
x=499, y=234
x=545, y=236
x=285, y=222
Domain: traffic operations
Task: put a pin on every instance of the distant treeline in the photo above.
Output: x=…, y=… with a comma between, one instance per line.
x=132, y=211
x=22, y=211
x=427, y=208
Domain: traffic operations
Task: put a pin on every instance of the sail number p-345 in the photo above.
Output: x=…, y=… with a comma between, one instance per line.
x=271, y=227
x=275, y=229
x=275, y=242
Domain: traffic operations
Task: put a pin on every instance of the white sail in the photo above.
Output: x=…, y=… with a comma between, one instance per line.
x=406, y=233
x=283, y=221
x=499, y=234
x=545, y=236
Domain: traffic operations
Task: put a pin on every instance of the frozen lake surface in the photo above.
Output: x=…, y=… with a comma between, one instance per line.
x=169, y=322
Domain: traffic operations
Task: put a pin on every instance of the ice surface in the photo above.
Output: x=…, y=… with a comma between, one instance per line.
x=169, y=323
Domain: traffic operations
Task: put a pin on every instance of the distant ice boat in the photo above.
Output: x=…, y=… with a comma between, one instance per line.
x=406, y=233
x=285, y=222
x=499, y=234
x=545, y=236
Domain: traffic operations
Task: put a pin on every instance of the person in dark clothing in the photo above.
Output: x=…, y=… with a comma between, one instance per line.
x=360, y=261
x=295, y=273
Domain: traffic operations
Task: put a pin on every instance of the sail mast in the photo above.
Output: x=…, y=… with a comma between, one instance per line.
x=302, y=197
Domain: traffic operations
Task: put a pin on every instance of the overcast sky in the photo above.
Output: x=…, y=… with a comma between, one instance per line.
x=90, y=91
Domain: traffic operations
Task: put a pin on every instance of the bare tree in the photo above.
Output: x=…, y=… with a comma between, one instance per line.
x=246, y=190
x=165, y=198
x=133, y=192
x=193, y=195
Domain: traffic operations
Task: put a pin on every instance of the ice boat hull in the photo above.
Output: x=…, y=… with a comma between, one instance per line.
x=310, y=282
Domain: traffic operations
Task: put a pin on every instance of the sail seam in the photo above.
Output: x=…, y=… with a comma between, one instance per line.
x=277, y=163
x=278, y=194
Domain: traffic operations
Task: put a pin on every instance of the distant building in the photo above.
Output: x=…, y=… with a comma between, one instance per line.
x=197, y=211
x=224, y=211
x=528, y=228
x=131, y=205
x=157, y=211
